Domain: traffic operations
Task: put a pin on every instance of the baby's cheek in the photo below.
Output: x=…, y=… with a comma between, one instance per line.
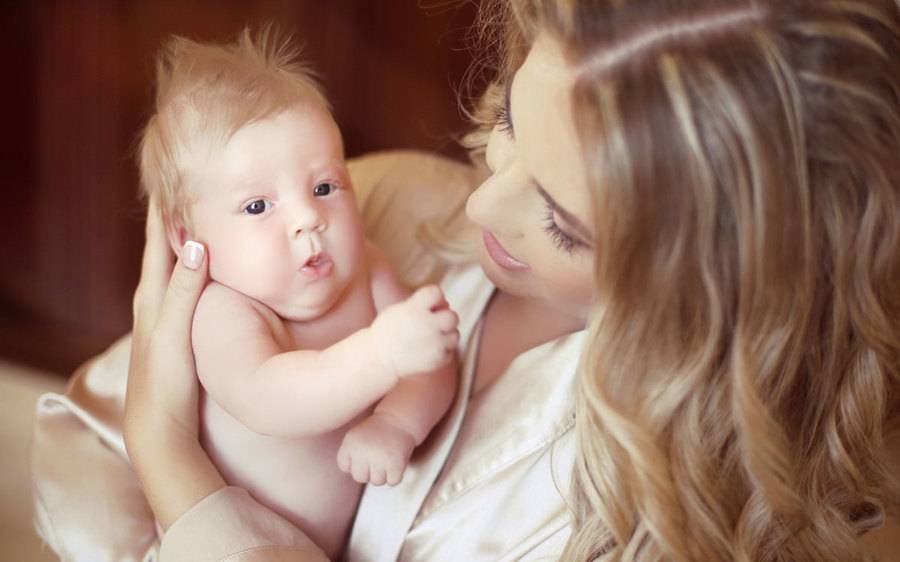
x=233, y=260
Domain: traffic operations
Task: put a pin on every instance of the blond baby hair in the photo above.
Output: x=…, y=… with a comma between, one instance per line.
x=205, y=93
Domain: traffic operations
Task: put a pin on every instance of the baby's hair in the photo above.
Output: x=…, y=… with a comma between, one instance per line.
x=205, y=93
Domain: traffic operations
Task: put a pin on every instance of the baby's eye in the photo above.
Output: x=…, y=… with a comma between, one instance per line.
x=323, y=189
x=257, y=207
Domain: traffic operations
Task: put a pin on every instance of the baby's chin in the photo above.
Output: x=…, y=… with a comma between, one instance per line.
x=303, y=311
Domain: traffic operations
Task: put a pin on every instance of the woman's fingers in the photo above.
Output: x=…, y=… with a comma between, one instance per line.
x=156, y=269
x=185, y=286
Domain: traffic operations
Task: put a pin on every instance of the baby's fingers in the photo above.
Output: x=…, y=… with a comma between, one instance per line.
x=429, y=297
x=394, y=473
x=360, y=471
x=343, y=459
x=451, y=340
x=377, y=476
x=446, y=320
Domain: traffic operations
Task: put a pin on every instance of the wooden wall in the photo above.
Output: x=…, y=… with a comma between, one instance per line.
x=77, y=88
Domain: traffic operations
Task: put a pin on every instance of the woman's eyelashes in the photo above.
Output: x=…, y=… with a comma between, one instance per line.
x=563, y=241
x=502, y=118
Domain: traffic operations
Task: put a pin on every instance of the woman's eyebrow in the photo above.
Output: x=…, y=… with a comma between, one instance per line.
x=570, y=219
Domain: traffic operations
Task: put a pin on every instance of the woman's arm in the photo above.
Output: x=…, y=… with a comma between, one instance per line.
x=161, y=425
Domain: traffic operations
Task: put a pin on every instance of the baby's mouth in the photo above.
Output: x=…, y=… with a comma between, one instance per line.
x=318, y=265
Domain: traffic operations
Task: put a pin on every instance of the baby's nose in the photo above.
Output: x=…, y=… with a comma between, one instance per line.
x=309, y=220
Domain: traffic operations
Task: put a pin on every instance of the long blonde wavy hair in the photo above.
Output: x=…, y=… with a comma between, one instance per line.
x=743, y=365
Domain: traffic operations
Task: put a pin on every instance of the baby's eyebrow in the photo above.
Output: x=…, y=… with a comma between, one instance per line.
x=570, y=219
x=246, y=182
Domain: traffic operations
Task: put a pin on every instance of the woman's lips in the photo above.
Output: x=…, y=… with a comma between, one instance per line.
x=500, y=255
x=318, y=266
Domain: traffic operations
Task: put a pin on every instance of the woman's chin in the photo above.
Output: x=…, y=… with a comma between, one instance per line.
x=513, y=283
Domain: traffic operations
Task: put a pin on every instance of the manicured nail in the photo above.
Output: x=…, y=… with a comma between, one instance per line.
x=192, y=254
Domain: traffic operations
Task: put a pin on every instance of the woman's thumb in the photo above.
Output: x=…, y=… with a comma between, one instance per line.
x=185, y=286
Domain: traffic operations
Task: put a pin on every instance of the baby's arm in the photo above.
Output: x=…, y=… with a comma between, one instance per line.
x=378, y=448
x=294, y=393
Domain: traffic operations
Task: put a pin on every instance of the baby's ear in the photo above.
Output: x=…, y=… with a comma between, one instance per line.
x=176, y=231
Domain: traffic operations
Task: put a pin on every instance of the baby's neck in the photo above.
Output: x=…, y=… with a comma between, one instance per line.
x=353, y=311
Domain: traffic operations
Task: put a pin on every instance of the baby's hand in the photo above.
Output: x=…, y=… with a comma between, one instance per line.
x=376, y=451
x=417, y=335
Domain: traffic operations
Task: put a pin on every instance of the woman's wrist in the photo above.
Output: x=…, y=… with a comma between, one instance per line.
x=175, y=472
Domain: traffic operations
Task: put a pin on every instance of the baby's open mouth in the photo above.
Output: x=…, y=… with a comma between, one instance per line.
x=318, y=265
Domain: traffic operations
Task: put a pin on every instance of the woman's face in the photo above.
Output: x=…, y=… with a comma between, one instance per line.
x=535, y=211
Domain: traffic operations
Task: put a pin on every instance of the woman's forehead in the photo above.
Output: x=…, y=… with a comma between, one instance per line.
x=546, y=137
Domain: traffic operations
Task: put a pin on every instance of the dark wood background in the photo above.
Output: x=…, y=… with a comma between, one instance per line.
x=78, y=87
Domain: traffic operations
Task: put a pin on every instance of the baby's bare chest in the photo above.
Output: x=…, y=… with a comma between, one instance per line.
x=245, y=454
x=299, y=477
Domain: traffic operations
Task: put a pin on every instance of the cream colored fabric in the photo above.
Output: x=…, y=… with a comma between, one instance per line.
x=88, y=503
x=487, y=485
x=240, y=529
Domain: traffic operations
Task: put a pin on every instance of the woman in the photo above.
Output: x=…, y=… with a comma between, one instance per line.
x=696, y=202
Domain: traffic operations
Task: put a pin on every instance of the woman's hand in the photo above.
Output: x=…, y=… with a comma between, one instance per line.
x=161, y=406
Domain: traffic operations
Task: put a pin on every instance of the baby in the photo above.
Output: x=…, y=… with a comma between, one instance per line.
x=304, y=326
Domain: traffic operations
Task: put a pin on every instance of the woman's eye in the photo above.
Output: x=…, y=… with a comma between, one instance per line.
x=257, y=207
x=323, y=189
x=563, y=241
x=502, y=120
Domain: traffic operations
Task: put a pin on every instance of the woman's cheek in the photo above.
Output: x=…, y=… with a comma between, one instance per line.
x=570, y=282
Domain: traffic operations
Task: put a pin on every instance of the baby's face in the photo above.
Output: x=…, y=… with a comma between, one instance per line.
x=276, y=210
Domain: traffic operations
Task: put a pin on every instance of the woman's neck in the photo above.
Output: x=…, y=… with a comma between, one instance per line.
x=543, y=320
x=511, y=326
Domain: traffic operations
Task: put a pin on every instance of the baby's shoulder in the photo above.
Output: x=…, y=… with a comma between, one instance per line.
x=384, y=284
x=222, y=308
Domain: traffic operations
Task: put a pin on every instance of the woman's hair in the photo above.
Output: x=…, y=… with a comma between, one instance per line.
x=204, y=94
x=743, y=365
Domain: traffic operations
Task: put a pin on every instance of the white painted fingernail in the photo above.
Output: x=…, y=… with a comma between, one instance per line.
x=192, y=254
